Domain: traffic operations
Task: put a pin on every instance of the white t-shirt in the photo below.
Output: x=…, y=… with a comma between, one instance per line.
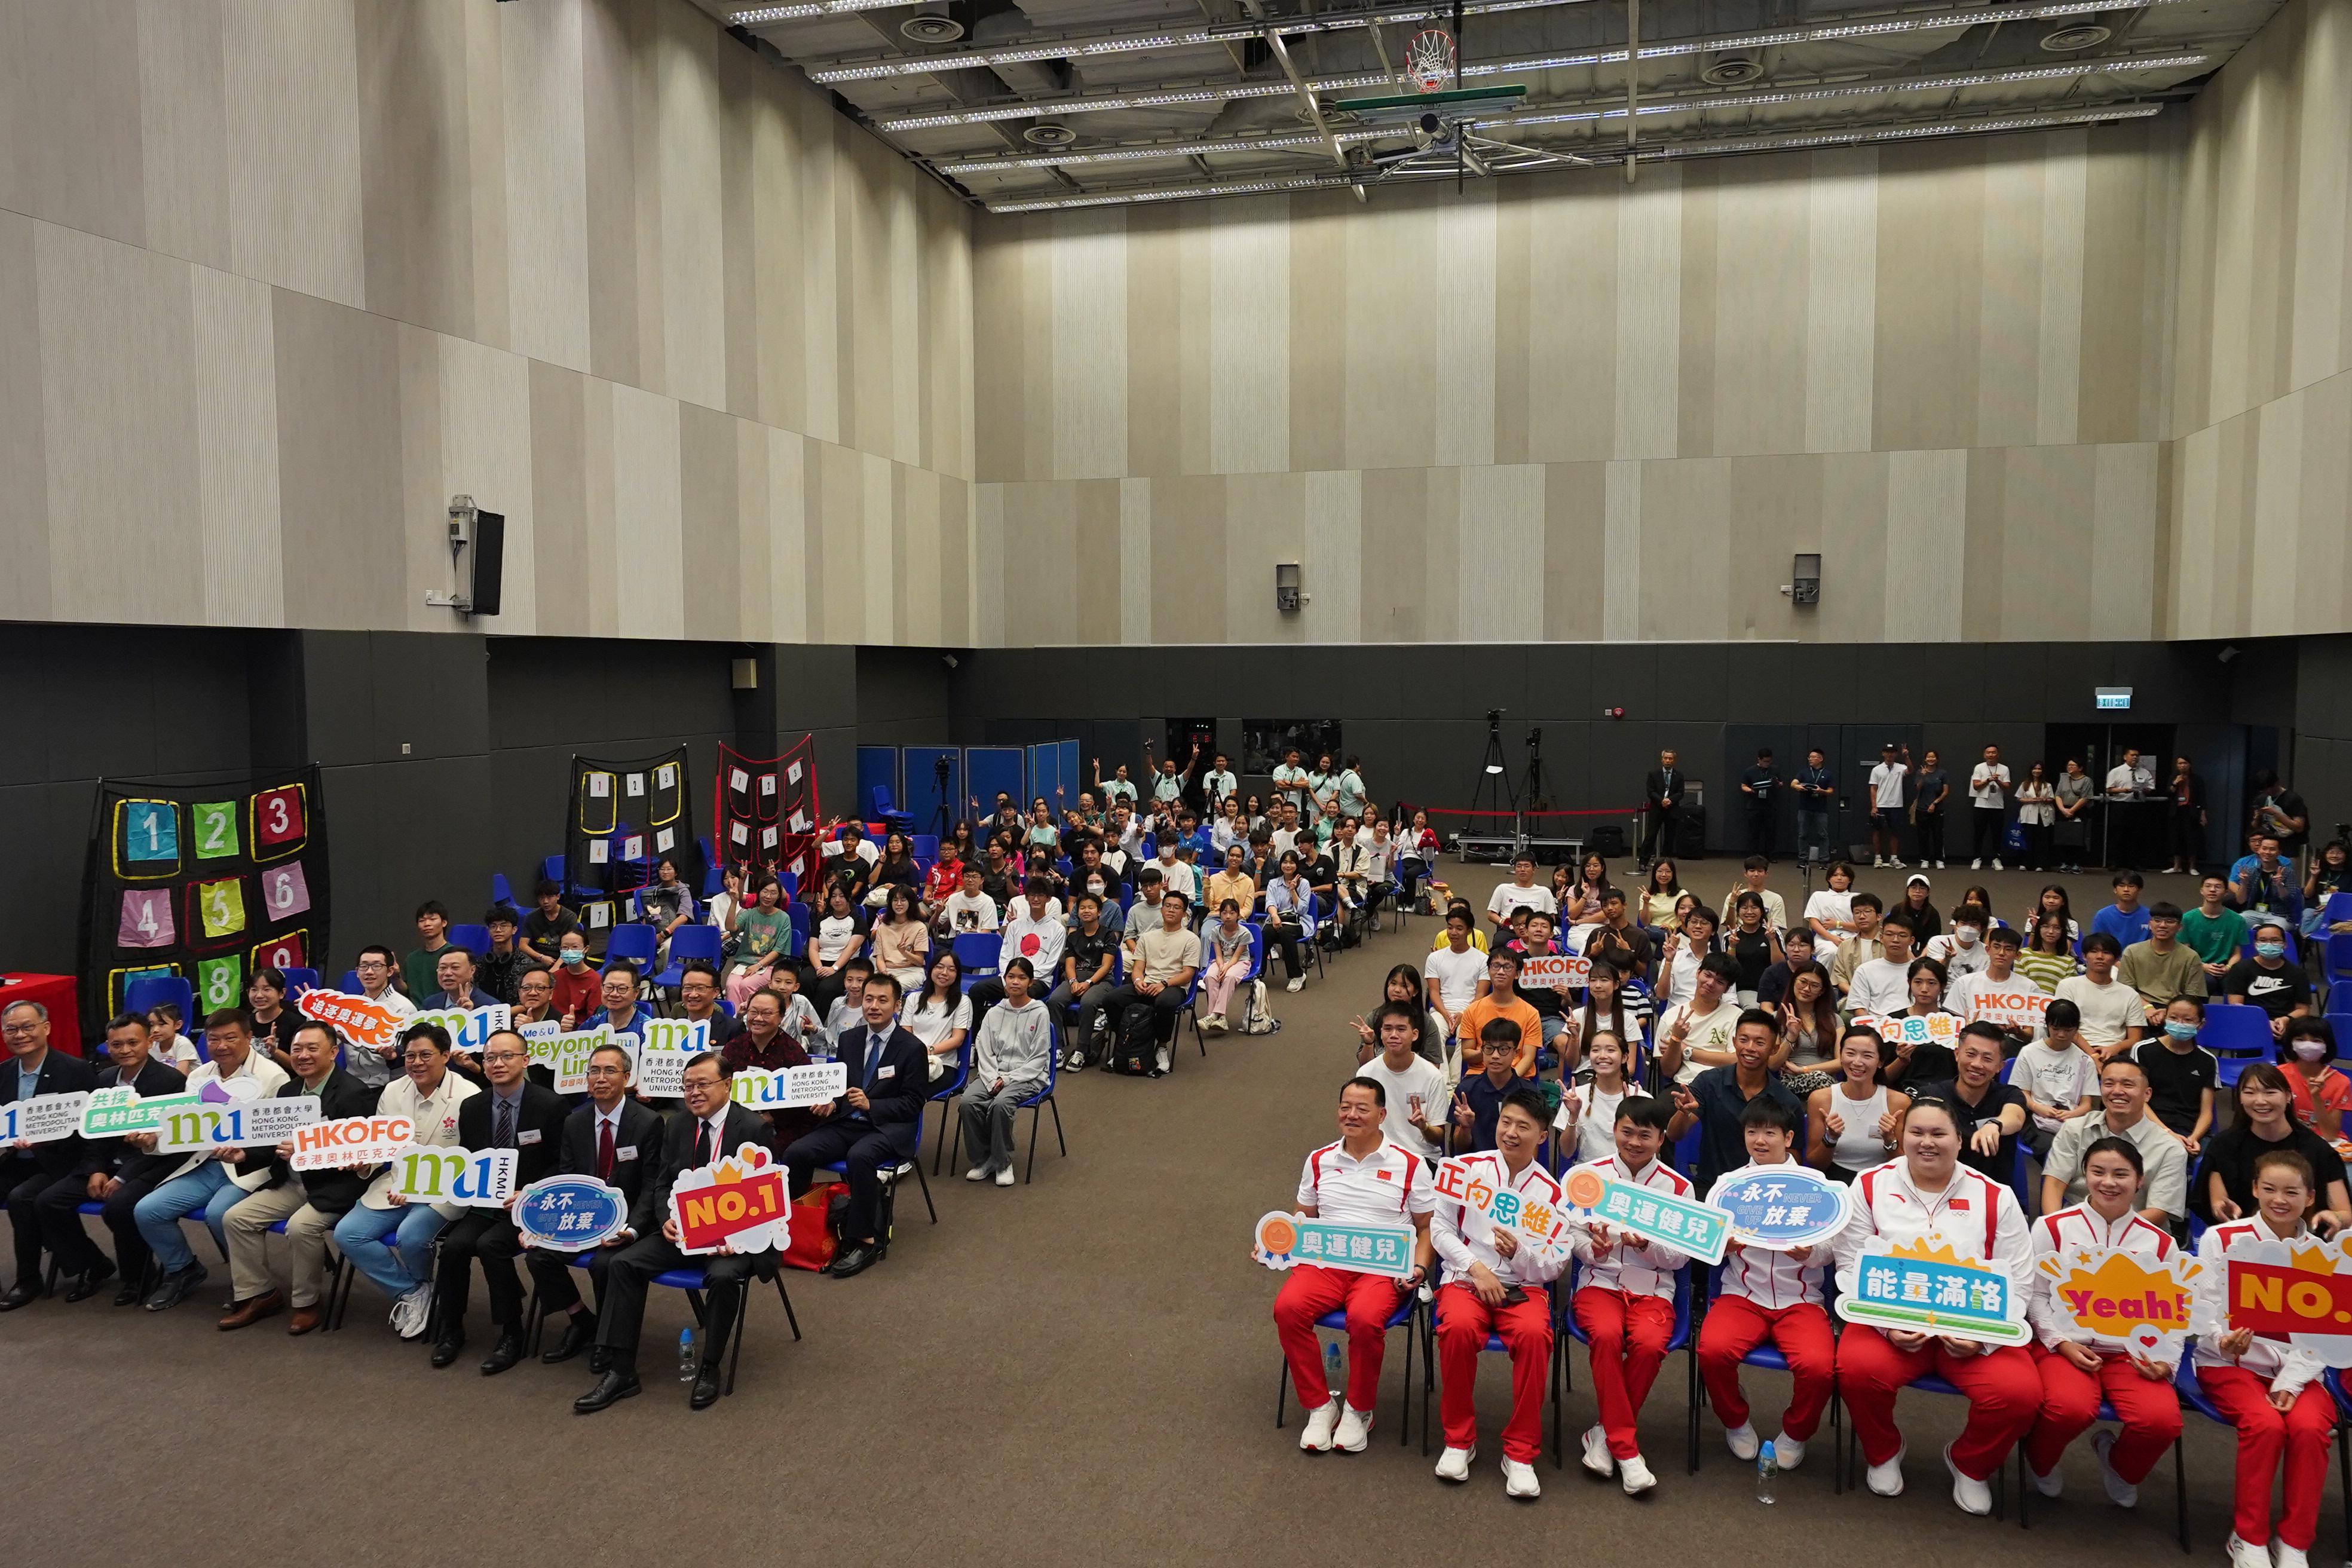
x=1420, y=1078
x=931, y=1024
x=1712, y=1032
x=1886, y=786
x=1986, y=782
x=1596, y=1119
x=1961, y=995
x=2107, y=1010
x=1176, y=877
x=1510, y=896
x=1457, y=975
x=1039, y=941
x=1957, y=959
x=1882, y=985
x=2055, y=1076
x=2123, y=776
x=976, y=912
x=1827, y=907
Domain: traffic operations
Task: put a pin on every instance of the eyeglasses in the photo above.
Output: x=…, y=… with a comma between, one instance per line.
x=18, y=1029
x=607, y=1071
x=503, y=1057
x=419, y=1056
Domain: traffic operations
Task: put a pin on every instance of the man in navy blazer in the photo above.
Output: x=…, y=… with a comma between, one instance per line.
x=27, y=1176
x=878, y=1122
x=110, y=1171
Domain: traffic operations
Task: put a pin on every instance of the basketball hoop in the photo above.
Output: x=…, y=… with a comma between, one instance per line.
x=1430, y=58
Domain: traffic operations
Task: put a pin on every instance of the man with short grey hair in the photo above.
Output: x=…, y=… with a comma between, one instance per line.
x=28, y=1171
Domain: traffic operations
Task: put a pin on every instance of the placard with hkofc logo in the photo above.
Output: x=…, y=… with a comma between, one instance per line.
x=350, y=1141
x=2019, y=1006
x=1555, y=969
x=737, y=1203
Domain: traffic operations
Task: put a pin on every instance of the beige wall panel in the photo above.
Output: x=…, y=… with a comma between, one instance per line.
x=1515, y=305
x=2196, y=497
x=839, y=614
x=693, y=275
x=601, y=490
x=2059, y=250
x=779, y=321
x=648, y=543
x=2008, y=309
x=2125, y=517
x=905, y=437
x=70, y=116
x=1776, y=511
x=24, y=500
x=1930, y=253
x=1094, y=562
x=955, y=558
x=1249, y=335
x=709, y=510
x=1194, y=394
x=1762, y=237
x=868, y=331
x=1041, y=361
x=1927, y=537
x=878, y=565
x=236, y=392
x=1461, y=290
x=559, y=495
x=546, y=141
x=339, y=464
x=2323, y=198
x=294, y=170
x=742, y=78
x=1500, y=595
x=753, y=534
x=486, y=145
x=1390, y=385
x=184, y=128
x=1155, y=335
x=2049, y=493
x=119, y=419
x=415, y=170
x=1694, y=379
x=1854, y=551
x=821, y=293
x=1574, y=523
x=2322, y=560
x=1088, y=253
x=1840, y=299
x=1265, y=521
x=1977, y=576
x=787, y=581
x=1649, y=314
x=1686, y=548
x=1332, y=574
x=608, y=112
x=1393, y=579
x=2234, y=518
x=1442, y=557
x=1135, y=561
x=2252, y=101
x=422, y=495
x=1188, y=559
x=1572, y=325
x=2276, y=514
x=987, y=567
x=1318, y=331
x=919, y=581
x=2120, y=315
x=1619, y=568
x=1001, y=415
x=2192, y=365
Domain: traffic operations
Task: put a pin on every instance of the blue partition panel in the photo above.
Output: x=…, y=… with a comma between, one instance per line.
x=991, y=769
x=878, y=768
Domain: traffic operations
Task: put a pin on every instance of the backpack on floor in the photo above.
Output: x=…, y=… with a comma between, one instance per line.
x=1257, y=1018
x=1135, y=1048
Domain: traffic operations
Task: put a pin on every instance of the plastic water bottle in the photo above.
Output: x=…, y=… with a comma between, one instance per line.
x=688, y=1363
x=1767, y=1470
x=1333, y=1372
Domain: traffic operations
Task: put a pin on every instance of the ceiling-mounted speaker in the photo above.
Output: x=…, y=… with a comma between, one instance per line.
x=931, y=30
x=1049, y=133
x=2074, y=40
x=1732, y=70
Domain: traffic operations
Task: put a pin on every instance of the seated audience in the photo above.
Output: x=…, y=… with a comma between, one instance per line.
x=1011, y=1059
x=308, y=1202
x=1161, y=963
x=878, y=1124
x=41, y=1177
x=200, y=1184
x=118, y=1175
x=388, y=1239
x=1769, y=1298
x=2261, y=1121
x=512, y=1112
x=1625, y=1299
x=617, y=1140
x=2123, y=1096
x=1715, y=1099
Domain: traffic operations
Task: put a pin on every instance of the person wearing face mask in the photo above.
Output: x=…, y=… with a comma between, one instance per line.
x=2322, y=1094
x=2268, y=981
x=2162, y=968
x=1961, y=949
x=2262, y=1122
x=575, y=984
x=2181, y=1074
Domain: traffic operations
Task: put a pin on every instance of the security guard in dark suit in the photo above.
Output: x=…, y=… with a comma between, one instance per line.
x=512, y=1113
x=712, y=1126
x=30, y=1175
x=617, y=1140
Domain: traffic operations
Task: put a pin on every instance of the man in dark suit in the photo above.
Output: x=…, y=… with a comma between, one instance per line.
x=878, y=1122
x=310, y=1202
x=110, y=1171
x=513, y=1114
x=616, y=1139
x=1662, y=807
x=713, y=1126
x=30, y=1172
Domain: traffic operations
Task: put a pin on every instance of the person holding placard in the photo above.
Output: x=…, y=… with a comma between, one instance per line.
x=512, y=1113
x=113, y=1173
x=620, y=1012
x=713, y=1128
x=1497, y=1281
x=1926, y=1197
x=388, y=1239
x=2269, y=1390
x=1625, y=1299
x=2078, y=1368
x=1772, y=1298
x=200, y=1183
x=309, y=1201
x=1366, y=1178
x=2262, y=1122
x=698, y=1000
x=617, y=1140
x=33, y=1173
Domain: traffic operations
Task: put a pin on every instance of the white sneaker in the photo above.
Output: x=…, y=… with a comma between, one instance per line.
x=1895, y=863
x=2120, y=1492
x=1597, y=1458
x=1217, y=1024
x=1789, y=1451
x=1298, y=984
x=1004, y=1177
x=1886, y=1479
x=1520, y=1480
x=2285, y=1556
x=1453, y=1465
x=1996, y=863
x=1878, y=862
x=1375, y=922
x=2246, y=1554
x=410, y=1313
x=1355, y=1430
x=2051, y=1485
x=1316, y=1438
x=1973, y=865
x=1634, y=1476
x=1743, y=1441
x=977, y=1174
x=1969, y=1494
x=1939, y=865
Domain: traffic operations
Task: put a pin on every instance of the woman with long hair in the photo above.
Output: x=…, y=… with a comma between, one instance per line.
x=2037, y=809
x=2048, y=956
x=1660, y=894
x=1808, y=1032
x=901, y=940
x=939, y=1014
x=1852, y=1121
x=1829, y=912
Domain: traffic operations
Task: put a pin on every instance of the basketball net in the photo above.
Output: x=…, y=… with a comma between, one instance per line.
x=1428, y=59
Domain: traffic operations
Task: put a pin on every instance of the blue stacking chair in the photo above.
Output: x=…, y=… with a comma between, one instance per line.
x=2238, y=1035
x=149, y=990
x=298, y=981
x=1037, y=1104
x=1562, y=1379
x=1314, y=930
x=475, y=940
x=978, y=952
x=1409, y=1315
x=2339, y=954
x=350, y=983
x=948, y=1093
x=797, y=916
x=1765, y=1357
x=1258, y=967
x=704, y=942
x=925, y=846
x=693, y=1281
x=890, y=1178
x=636, y=944
x=501, y=893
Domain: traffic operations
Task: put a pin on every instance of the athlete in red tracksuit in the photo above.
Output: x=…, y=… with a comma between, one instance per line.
x=1624, y=1299
x=1773, y=1297
x=1926, y=1195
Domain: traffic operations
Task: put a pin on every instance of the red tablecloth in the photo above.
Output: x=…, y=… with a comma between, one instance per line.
x=55, y=992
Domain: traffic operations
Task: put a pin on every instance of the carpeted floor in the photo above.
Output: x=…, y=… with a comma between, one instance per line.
x=1076, y=1371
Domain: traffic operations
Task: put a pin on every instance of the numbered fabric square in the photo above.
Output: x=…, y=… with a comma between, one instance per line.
x=146, y=919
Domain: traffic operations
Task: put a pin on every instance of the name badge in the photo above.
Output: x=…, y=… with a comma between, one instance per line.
x=886, y=1072
x=529, y=1136
x=625, y=1152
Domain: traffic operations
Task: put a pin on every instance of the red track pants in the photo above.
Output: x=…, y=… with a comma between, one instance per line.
x=1736, y=1325
x=2265, y=1434
x=2003, y=1392
x=1464, y=1323
x=2070, y=1404
x=1626, y=1336
x=1309, y=1292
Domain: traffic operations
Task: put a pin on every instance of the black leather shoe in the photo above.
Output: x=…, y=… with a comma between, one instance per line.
x=578, y=1334
x=22, y=1296
x=619, y=1383
x=450, y=1347
x=599, y=1360
x=176, y=1287
x=856, y=1260
x=706, y=1388
x=128, y=1295
x=504, y=1354
x=92, y=1283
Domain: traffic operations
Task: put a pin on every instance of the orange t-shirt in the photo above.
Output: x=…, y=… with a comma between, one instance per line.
x=1471, y=1023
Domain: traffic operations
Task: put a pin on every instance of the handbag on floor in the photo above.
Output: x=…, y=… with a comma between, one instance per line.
x=1257, y=1018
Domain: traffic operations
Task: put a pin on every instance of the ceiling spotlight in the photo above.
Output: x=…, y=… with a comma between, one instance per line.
x=1049, y=133
x=930, y=29
x=2074, y=40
